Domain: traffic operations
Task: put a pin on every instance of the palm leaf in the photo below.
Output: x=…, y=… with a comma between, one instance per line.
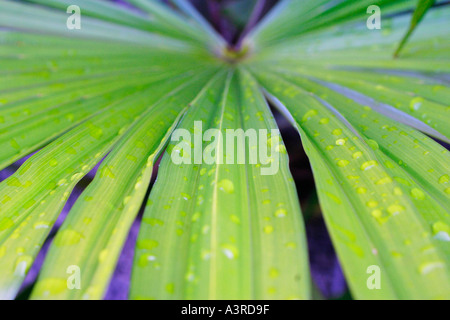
x=130, y=164
x=363, y=179
x=421, y=9
x=223, y=217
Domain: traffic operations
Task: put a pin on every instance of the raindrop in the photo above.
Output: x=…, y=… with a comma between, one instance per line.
x=226, y=186
x=368, y=165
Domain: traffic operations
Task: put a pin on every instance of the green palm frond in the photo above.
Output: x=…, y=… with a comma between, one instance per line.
x=112, y=94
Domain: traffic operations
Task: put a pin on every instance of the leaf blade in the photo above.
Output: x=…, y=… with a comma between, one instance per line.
x=402, y=257
x=419, y=13
x=210, y=263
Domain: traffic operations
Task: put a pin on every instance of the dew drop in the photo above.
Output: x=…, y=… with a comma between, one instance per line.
x=185, y=196
x=372, y=203
x=377, y=213
x=131, y=158
x=102, y=255
x=416, y=103
x=441, y=230
x=144, y=259
x=14, y=144
x=291, y=245
x=444, y=179
x=357, y=154
x=235, y=219
x=230, y=251
x=361, y=190
x=226, y=186
x=428, y=267
x=442, y=236
x=140, y=145
x=268, y=229
x=170, y=288
x=308, y=115
x=196, y=216
x=6, y=223
x=395, y=209
x=368, y=165
x=417, y=194
x=343, y=163
x=50, y=286
x=373, y=144
x=333, y=197
x=13, y=182
x=67, y=238
x=42, y=225
x=384, y=180
x=337, y=132
x=273, y=273
x=23, y=264
x=5, y=199
x=147, y=244
x=96, y=132
x=281, y=213
x=53, y=163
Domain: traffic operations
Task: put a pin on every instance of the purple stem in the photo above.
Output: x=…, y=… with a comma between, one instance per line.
x=214, y=12
x=254, y=18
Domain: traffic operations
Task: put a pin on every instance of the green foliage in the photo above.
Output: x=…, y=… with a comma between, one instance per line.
x=118, y=87
x=422, y=8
